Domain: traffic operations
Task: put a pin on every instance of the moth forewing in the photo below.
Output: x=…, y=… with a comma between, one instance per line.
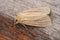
x=44, y=10
x=43, y=22
x=35, y=17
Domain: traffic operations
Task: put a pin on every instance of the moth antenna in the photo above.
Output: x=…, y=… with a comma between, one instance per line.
x=27, y=28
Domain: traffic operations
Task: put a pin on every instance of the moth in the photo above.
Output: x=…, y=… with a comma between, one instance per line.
x=38, y=17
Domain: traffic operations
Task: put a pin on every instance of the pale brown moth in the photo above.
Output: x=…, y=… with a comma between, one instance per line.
x=38, y=17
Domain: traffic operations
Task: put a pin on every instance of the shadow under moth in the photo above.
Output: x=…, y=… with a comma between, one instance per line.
x=38, y=17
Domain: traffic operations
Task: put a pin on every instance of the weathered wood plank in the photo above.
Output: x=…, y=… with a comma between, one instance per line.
x=11, y=7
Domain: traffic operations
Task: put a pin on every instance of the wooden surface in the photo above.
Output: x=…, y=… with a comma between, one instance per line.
x=11, y=7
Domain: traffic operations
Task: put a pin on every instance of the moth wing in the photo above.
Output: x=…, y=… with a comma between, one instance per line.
x=43, y=22
x=33, y=13
x=35, y=17
x=44, y=10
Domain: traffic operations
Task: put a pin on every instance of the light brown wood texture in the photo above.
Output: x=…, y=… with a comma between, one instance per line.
x=11, y=7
